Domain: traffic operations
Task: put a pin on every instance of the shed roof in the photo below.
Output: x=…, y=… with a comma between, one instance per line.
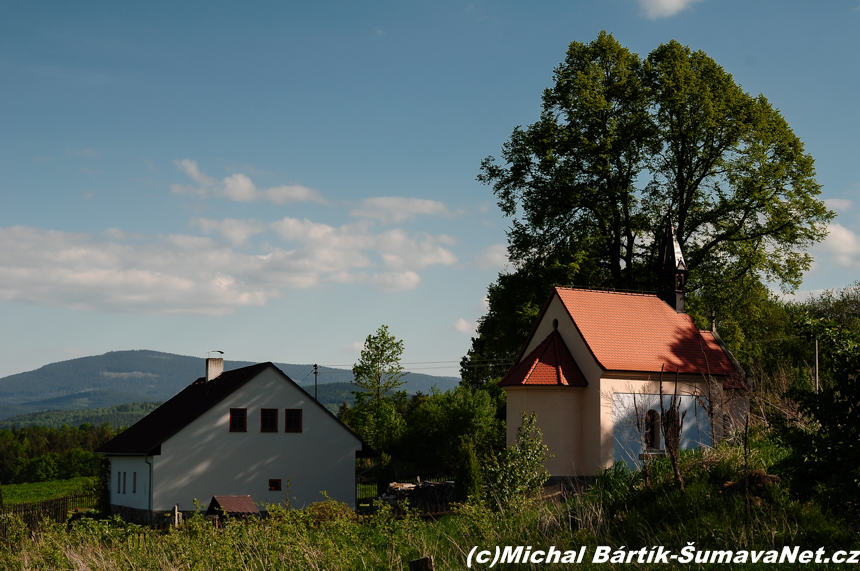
x=550, y=363
x=146, y=436
x=232, y=505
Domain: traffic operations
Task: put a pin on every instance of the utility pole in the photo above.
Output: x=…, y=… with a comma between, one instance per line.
x=317, y=368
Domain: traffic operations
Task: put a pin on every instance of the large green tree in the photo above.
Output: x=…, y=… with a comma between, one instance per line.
x=622, y=145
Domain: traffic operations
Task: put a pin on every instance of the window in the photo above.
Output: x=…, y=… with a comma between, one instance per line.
x=119, y=482
x=275, y=485
x=293, y=420
x=124, y=474
x=134, y=482
x=268, y=420
x=652, y=430
x=238, y=420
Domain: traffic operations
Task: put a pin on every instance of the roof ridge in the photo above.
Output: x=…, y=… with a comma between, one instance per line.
x=613, y=291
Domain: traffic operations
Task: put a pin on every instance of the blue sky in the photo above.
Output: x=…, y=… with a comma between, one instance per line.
x=276, y=180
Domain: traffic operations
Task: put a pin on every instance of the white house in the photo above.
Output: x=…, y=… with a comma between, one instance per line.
x=247, y=431
x=592, y=369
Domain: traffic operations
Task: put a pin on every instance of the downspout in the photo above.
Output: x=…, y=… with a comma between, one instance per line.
x=149, y=511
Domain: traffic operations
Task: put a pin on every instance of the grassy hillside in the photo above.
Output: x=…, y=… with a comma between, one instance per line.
x=121, y=377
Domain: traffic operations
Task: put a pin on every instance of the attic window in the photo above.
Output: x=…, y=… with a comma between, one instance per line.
x=238, y=420
x=275, y=485
x=268, y=420
x=293, y=420
x=554, y=324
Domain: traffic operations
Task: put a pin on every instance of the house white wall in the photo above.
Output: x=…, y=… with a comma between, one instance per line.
x=206, y=459
x=129, y=482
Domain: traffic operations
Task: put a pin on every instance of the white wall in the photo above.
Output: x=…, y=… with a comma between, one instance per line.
x=132, y=467
x=206, y=459
x=696, y=430
x=559, y=416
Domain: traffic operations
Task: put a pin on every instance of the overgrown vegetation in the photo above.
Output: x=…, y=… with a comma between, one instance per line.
x=619, y=510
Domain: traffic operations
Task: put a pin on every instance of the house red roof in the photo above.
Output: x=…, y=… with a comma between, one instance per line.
x=550, y=363
x=232, y=505
x=640, y=332
x=145, y=437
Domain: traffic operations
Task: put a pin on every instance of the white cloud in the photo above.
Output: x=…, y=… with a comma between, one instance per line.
x=164, y=274
x=353, y=348
x=181, y=273
x=493, y=257
x=844, y=244
x=190, y=168
x=240, y=188
x=838, y=204
x=235, y=231
x=396, y=209
x=294, y=193
x=654, y=9
x=345, y=246
x=465, y=327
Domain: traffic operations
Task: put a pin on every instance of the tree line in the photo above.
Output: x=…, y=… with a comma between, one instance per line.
x=42, y=454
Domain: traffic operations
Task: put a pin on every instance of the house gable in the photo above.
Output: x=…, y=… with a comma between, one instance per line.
x=207, y=458
x=145, y=437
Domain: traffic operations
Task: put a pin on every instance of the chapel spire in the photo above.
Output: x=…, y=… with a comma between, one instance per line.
x=672, y=270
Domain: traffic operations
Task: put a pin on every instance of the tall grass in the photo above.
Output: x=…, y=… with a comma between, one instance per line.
x=618, y=510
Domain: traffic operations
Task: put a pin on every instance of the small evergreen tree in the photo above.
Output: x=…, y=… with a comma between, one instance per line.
x=467, y=480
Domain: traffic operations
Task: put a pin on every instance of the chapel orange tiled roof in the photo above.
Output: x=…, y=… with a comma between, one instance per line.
x=550, y=363
x=640, y=332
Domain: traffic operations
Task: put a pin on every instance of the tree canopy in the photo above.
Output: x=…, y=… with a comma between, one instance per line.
x=624, y=144
x=378, y=371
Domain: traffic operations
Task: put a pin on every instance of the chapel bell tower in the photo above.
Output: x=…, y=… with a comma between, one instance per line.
x=672, y=270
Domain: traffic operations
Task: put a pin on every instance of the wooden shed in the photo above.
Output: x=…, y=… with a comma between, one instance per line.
x=233, y=506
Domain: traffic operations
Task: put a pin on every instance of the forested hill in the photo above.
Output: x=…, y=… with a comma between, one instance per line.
x=121, y=377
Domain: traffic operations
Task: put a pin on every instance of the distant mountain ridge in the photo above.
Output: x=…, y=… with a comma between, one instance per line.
x=121, y=377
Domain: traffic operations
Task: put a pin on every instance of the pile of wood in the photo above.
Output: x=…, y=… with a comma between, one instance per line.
x=419, y=495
